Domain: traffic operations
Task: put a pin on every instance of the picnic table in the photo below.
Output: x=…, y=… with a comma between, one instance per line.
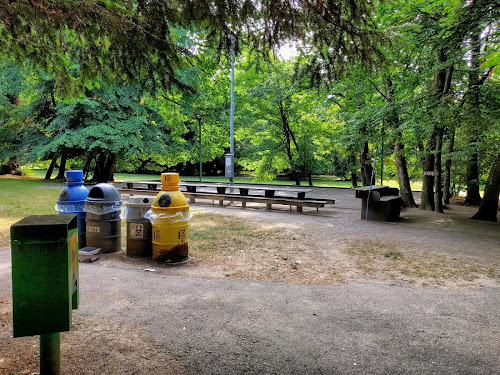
x=295, y=196
x=383, y=202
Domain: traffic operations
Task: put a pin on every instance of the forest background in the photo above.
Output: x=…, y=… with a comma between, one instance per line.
x=138, y=86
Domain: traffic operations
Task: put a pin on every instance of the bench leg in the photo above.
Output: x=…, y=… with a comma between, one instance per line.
x=191, y=200
x=221, y=203
x=268, y=206
x=299, y=208
x=243, y=204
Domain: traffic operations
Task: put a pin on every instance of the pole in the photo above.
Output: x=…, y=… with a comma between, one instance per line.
x=231, y=149
x=382, y=162
x=199, y=123
x=371, y=181
x=50, y=354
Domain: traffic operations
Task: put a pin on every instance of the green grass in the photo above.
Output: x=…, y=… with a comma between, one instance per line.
x=24, y=197
x=324, y=181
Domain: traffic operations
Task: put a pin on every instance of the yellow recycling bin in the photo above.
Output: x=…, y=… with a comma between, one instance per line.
x=169, y=217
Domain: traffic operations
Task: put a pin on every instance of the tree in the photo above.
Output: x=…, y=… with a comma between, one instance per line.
x=284, y=124
x=489, y=204
x=107, y=124
x=135, y=38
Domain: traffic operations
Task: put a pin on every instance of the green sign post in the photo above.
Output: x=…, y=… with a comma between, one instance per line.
x=44, y=281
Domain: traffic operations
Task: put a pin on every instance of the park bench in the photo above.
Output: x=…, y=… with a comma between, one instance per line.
x=268, y=201
x=384, y=203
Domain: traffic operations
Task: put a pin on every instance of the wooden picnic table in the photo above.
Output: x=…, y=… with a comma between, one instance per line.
x=383, y=202
x=195, y=187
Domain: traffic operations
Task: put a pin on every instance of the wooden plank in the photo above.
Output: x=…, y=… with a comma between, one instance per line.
x=387, y=198
x=258, y=199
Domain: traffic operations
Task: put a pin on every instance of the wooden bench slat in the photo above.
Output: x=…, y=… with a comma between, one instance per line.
x=386, y=198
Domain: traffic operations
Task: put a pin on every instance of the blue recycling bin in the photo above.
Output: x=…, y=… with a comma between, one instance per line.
x=72, y=201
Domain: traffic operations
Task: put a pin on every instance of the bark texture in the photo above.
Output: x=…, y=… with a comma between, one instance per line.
x=488, y=208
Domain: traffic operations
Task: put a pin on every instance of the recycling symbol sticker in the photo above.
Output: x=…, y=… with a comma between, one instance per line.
x=164, y=201
x=64, y=196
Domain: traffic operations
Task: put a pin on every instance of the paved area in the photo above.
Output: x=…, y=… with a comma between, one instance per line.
x=222, y=326
x=218, y=326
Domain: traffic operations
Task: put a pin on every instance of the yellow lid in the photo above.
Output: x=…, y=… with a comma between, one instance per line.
x=170, y=179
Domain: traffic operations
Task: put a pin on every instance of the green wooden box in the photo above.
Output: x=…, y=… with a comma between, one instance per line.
x=44, y=273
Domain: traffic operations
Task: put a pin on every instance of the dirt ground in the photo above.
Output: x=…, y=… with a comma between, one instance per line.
x=331, y=246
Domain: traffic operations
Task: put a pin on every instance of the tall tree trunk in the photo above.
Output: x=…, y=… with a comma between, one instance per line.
x=473, y=196
x=110, y=167
x=399, y=151
x=438, y=188
x=62, y=167
x=86, y=168
x=52, y=165
x=289, y=136
x=366, y=166
x=427, y=200
x=352, y=162
x=489, y=205
x=447, y=167
x=100, y=165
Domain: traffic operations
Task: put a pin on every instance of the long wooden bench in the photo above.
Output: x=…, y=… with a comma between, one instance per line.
x=299, y=203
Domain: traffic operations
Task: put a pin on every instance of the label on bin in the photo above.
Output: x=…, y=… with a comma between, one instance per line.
x=137, y=230
x=64, y=196
x=164, y=200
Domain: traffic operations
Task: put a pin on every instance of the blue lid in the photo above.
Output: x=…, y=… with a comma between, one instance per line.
x=74, y=175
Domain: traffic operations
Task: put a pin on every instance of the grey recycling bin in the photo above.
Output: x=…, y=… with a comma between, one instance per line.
x=103, y=223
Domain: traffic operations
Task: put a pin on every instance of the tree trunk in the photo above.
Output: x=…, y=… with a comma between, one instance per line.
x=110, y=167
x=100, y=165
x=366, y=166
x=289, y=137
x=399, y=152
x=354, y=176
x=438, y=189
x=447, y=168
x=473, y=196
x=62, y=167
x=86, y=169
x=489, y=205
x=427, y=200
x=52, y=165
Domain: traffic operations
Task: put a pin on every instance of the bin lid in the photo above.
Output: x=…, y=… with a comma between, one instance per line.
x=73, y=194
x=74, y=175
x=170, y=179
x=103, y=193
x=170, y=201
x=139, y=201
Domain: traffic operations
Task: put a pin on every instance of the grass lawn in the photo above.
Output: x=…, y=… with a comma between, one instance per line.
x=326, y=181
x=24, y=197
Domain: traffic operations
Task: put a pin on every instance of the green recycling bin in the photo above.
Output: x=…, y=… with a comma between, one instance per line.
x=44, y=273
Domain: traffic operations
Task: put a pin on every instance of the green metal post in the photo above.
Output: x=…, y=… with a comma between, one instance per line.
x=199, y=123
x=382, y=162
x=50, y=354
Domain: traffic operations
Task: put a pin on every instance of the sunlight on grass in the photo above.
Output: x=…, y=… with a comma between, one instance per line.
x=24, y=197
x=321, y=181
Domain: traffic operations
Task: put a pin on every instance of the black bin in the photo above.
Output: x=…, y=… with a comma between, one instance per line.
x=103, y=223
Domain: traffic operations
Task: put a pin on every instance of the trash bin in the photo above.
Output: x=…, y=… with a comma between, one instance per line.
x=138, y=227
x=169, y=217
x=103, y=208
x=72, y=201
